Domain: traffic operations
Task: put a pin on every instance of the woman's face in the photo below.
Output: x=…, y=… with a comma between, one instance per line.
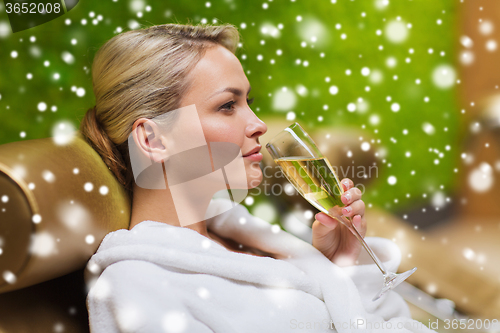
x=219, y=90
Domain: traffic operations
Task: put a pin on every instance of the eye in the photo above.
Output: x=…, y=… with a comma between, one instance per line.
x=227, y=106
x=250, y=101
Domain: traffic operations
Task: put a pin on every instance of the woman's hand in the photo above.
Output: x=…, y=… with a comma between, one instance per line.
x=332, y=238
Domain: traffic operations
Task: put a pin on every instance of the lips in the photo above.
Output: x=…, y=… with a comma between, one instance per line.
x=253, y=151
x=254, y=155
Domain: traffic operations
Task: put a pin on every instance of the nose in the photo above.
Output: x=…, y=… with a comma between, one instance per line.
x=255, y=127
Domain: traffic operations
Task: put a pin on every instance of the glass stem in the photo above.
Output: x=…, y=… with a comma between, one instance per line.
x=353, y=229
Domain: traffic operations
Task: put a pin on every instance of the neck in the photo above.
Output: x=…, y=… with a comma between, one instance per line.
x=158, y=205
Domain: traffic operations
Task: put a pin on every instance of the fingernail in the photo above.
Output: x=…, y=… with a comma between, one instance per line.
x=323, y=219
x=346, y=210
x=346, y=184
x=347, y=197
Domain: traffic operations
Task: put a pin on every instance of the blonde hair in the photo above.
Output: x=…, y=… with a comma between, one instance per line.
x=142, y=74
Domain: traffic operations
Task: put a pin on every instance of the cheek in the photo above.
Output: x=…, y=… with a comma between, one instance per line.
x=218, y=130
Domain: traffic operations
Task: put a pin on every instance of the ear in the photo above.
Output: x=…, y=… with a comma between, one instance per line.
x=149, y=140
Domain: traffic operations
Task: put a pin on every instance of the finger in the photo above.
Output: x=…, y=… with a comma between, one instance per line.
x=326, y=223
x=360, y=224
x=347, y=183
x=356, y=208
x=351, y=195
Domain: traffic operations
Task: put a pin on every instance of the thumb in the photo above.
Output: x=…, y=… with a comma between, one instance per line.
x=325, y=225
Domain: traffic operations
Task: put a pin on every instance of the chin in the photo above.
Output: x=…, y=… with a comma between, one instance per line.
x=254, y=180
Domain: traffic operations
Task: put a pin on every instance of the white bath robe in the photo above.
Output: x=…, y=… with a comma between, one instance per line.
x=160, y=278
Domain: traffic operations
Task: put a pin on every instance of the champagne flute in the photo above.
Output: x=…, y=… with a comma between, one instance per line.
x=311, y=174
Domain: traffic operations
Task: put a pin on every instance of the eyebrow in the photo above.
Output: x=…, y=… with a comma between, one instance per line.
x=235, y=91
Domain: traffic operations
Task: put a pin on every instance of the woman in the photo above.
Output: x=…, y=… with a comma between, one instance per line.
x=233, y=272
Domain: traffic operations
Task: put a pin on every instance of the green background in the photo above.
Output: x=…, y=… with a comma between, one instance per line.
x=359, y=21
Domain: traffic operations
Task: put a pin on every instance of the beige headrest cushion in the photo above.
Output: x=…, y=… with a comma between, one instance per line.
x=56, y=205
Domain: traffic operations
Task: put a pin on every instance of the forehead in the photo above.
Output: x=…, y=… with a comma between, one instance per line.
x=217, y=69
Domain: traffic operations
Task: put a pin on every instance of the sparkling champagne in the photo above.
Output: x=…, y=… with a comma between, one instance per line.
x=312, y=175
x=315, y=180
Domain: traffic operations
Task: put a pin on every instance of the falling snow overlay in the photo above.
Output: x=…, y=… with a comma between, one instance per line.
x=381, y=83
x=297, y=57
